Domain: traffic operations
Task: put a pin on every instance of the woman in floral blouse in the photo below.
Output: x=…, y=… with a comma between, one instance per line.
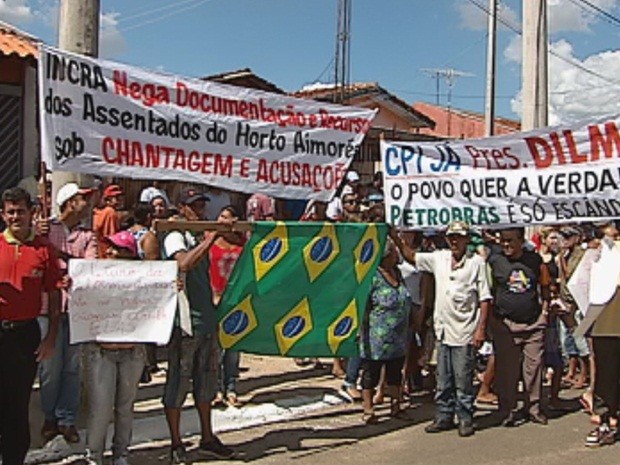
x=383, y=336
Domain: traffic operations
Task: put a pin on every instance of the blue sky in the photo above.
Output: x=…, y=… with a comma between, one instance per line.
x=292, y=42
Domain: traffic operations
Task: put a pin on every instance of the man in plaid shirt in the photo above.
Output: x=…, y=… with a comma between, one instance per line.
x=60, y=375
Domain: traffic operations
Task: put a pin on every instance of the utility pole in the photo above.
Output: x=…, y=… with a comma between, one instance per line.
x=489, y=107
x=535, y=90
x=342, y=69
x=78, y=32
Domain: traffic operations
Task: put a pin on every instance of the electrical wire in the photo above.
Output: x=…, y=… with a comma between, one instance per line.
x=602, y=13
x=465, y=50
x=444, y=94
x=151, y=11
x=192, y=5
x=325, y=70
x=551, y=52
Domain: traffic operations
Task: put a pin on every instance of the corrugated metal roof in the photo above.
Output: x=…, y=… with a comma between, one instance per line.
x=15, y=42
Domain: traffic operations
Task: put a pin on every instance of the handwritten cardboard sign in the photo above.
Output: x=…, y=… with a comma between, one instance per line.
x=122, y=300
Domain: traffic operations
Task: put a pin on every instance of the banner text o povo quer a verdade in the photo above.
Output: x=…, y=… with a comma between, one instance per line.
x=548, y=176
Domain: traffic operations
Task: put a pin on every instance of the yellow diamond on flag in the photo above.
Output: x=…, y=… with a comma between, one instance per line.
x=270, y=250
x=342, y=327
x=321, y=251
x=366, y=252
x=237, y=323
x=293, y=326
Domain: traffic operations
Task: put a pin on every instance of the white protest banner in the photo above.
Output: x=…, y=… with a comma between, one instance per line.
x=579, y=282
x=111, y=119
x=604, y=274
x=603, y=283
x=122, y=300
x=547, y=176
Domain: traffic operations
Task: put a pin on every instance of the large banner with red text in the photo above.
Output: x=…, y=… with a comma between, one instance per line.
x=547, y=176
x=110, y=119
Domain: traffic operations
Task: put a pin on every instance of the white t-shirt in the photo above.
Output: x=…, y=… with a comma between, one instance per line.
x=334, y=209
x=176, y=241
x=458, y=293
x=412, y=278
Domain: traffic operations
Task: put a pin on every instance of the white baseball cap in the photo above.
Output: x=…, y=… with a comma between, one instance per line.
x=352, y=176
x=68, y=191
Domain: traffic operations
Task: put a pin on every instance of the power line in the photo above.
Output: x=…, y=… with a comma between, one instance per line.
x=551, y=52
x=465, y=50
x=326, y=69
x=192, y=4
x=611, y=18
x=459, y=96
x=505, y=97
x=151, y=11
x=583, y=68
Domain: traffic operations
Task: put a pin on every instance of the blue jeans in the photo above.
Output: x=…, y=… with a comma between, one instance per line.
x=573, y=346
x=60, y=377
x=229, y=372
x=455, y=383
x=353, y=371
x=112, y=378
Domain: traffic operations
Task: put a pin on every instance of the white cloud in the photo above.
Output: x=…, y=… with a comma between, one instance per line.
x=563, y=15
x=514, y=51
x=567, y=16
x=575, y=94
x=47, y=13
x=15, y=11
x=475, y=18
x=111, y=40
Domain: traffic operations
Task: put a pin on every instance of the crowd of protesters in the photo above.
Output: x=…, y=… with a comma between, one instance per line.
x=440, y=301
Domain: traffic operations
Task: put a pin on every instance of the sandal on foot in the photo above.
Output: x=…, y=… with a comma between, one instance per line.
x=370, y=418
x=232, y=401
x=489, y=399
x=218, y=401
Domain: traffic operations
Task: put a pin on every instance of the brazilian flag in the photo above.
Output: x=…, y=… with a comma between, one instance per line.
x=300, y=289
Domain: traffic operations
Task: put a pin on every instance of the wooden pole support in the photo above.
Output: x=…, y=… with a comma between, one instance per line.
x=198, y=226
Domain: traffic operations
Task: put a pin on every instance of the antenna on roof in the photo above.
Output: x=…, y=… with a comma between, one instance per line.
x=450, y=75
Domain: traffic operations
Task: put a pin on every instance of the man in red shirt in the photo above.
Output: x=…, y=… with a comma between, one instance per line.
x=28, y=267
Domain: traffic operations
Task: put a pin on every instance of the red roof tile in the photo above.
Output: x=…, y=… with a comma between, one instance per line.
x=359, y=89
x=15, y=42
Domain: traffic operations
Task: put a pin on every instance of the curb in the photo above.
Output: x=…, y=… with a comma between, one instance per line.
x=146, y=430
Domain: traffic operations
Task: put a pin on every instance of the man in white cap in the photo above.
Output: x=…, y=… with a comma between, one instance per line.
x=462, y=304
x=59, y=376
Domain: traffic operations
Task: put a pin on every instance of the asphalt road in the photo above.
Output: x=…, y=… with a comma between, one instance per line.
x=337, y=436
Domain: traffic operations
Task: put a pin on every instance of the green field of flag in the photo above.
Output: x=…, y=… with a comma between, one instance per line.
x=300, y=289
